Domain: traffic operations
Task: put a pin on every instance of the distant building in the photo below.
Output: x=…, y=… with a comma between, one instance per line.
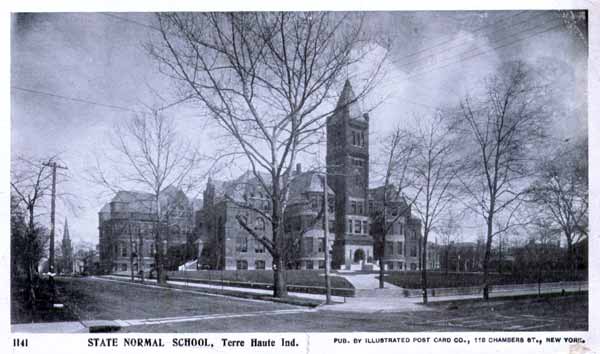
x=461, y=257
x=127, y=224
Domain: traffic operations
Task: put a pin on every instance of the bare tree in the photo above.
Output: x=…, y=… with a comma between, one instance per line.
x=30, y=184
x=504, y=126
x=435, y=167
x=268, y=80
x=449, y=229
x=397, y=150
x=561, y=193
x=150, y=156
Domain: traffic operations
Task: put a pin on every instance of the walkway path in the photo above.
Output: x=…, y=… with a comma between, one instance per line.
x=366, y=281
x=50, y=327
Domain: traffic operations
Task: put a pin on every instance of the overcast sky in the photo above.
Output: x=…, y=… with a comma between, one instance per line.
x=60, y=60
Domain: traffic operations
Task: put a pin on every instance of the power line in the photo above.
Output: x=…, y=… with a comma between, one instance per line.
x=485, y=52
x=75, y=99
x=435, y=54
x=131, y=21
x=511, y=35
x=425, y=49
x=452, y=39
x=474, y=56
x=448, y=49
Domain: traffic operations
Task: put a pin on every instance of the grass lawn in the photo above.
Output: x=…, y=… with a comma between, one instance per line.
x=546, y=312
x=95, y=299
x=412, y=280
x=562, y=313
x=293, y=277
x=43, y=309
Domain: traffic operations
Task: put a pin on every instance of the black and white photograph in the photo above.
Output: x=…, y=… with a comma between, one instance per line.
x=299, y=172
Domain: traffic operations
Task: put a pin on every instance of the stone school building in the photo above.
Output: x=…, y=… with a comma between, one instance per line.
x=354, y=221
x=220, y=242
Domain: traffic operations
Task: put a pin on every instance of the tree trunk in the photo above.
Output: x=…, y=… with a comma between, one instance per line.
x=486, y=260
x=381, y=265
x=141, y=257
x=424, y=269
x=280, y=288
x=447, y=257
x=570, y=258
x=131, y=256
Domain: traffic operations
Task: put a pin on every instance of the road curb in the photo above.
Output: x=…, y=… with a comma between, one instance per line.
x=100, y=326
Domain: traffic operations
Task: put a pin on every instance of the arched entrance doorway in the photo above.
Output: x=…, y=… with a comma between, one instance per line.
x=359, y=255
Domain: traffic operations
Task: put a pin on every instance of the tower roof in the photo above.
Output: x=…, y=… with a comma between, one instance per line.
x=348, y=101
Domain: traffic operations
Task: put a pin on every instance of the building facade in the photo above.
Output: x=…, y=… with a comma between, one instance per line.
x=220, y=227
x=400, y=249
x=222, y=241
x=354, y=224
x=127, y=229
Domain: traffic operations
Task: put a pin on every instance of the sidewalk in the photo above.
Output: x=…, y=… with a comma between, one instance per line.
x=233, y=289
x=366, y=281
x=50, y=327
x=369, y=298
x=391, y=300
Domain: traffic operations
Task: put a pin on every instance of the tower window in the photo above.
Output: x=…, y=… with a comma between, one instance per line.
x=358, y=138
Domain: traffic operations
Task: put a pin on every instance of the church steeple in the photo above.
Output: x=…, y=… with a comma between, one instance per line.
x=67, y=251
x=66, y=235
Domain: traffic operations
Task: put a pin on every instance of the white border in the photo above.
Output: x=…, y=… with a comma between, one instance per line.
x=318, y=342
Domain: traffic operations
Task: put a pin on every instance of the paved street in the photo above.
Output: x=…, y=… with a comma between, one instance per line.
x=138, y=308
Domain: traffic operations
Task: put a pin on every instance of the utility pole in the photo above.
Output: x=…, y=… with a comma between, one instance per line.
x=326, y=239
x=54, y=166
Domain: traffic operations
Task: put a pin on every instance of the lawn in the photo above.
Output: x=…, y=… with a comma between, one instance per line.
x=96, y=299
x=412, y=280
x=263, y=278
x=548, y=313
x=43, y=309
x=554, y=312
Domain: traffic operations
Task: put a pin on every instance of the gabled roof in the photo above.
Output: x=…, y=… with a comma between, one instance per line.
x=306, y=182
x=377, y=193
x=105, y=209
x=245, y=185
x=143, y=202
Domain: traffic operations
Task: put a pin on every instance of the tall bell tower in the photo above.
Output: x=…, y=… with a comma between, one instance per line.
x=348, y=172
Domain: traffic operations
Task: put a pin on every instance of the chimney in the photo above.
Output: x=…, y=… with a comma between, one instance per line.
x=298, y=168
